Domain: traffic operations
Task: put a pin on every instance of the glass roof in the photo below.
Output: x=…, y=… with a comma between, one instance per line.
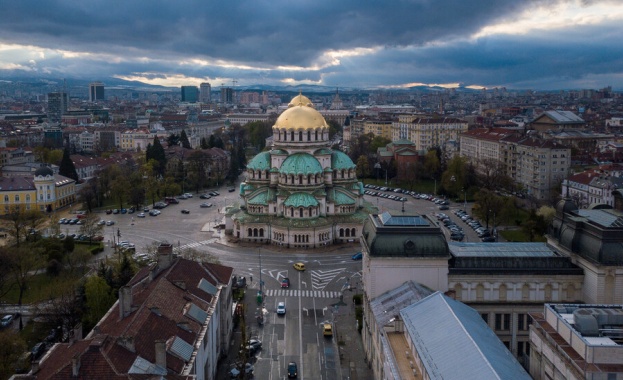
x=412, y=220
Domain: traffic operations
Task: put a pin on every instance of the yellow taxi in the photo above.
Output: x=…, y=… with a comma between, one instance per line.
x=299, y=266
x=327, y=329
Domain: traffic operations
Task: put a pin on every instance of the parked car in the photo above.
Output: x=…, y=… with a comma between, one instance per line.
x=205, y=196
x=357, y=256
x=235, y=372
x=281, y=308
x=110, y=222
x=38, y=350
x=188, y=195
x=205, y=205
x=488, y=239
x=444, y=207
x=231, y=189
x=185, y=211
x=254, y=346
x=140, y=215
x=154, y=212
x=6, y=320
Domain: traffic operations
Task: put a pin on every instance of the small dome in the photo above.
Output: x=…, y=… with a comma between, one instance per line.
x=340, y=160
x=300, y=115
x=300, y=163
x=565, y=206
x=43, y=171
x=260, y=162
x=300, y=200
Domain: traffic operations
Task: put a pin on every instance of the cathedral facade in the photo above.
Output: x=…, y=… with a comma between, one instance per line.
x=300, y=193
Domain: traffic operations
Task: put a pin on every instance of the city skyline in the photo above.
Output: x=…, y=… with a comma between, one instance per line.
x=539, y=44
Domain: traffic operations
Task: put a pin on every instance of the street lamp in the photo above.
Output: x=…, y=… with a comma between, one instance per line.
x=260, y=294
x=464, y=200
x=435, y=192
x=378, y=166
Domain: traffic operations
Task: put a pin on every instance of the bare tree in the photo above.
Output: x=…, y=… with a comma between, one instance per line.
x=91, y=226
x=25, y=263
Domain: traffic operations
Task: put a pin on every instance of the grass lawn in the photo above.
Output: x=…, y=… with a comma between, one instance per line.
x=519, y=236
x=42, y=287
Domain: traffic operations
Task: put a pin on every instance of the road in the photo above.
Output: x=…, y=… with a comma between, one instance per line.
x=313, y=298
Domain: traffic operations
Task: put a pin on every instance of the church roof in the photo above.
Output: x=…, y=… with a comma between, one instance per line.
x=339, y=198
x=339, y=160
x=262, y=198
x=301, y=115
x=300, y=163
x=260, y=162
x=300, y=200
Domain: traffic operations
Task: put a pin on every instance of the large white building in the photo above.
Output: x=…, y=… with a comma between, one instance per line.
x=300, y=193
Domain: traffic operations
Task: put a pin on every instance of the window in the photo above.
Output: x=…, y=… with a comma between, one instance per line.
x=6, y=198
x=502, y=322
x=485, y=317
x=17, y=198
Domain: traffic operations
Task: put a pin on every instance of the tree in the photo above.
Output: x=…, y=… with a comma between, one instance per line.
x=184, y=140
x=63, y=312
x=12, y=347
x=88, y=194
x=363, y=167
x=156, y=152
x=334, y=128
x=99, y=299
x=25, y=263
x=67, y=168
x=432, y=165
x=90, y=226
x=203, y=144
x=19, y=220
x=173, y=139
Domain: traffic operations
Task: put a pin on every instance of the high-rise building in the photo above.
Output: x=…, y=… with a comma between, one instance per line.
x=190, y=94
x=96, y=91
x=205, y=92
x=57, y=105
x=227, y=95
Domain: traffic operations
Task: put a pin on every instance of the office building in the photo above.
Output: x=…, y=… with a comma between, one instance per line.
x=57, y=105
x=190, y=94
x=96, y=91
x=205, y=92
x=227, y=95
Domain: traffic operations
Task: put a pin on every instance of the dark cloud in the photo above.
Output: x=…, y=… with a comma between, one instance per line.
x=422, y=41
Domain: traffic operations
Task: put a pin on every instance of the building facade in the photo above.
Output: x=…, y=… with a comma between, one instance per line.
x=300, y=193
x=190, y=94
x=205, y=92
x=96, y=91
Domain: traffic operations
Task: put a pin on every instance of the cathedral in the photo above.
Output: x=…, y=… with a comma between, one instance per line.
x=300, y=193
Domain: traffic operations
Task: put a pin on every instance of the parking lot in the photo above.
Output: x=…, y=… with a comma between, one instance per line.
x=453, y=217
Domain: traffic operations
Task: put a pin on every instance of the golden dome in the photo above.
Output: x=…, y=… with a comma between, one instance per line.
x=300, y=114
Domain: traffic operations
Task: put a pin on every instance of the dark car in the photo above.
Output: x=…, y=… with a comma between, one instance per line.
x=292, y=370
x=184, y=211
x=488, y=239
x=231, y=189
x=108, y=212
x=38, y=350
x=205, y=196
x=254, y=346
x=357, y=256
x=285, y=282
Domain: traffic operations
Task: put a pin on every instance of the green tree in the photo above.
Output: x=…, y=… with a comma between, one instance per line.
x=67, y=168
x=363, y=167
x=258, y=131
x=99, y=299
x=24, y=263
x=173, y=139
x=204, y=143
x=378, y=142
x=184, y=140
x=12, y=347
x=156, y=152
x=432, y=165
x=334, y=128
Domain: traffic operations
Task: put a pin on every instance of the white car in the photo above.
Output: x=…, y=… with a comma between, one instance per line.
x=188, y=195
x=140, y=215
x=281, y=308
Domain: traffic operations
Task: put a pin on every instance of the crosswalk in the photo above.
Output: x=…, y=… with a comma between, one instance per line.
x=320, y=278
x=193, y=245
x=302, y=293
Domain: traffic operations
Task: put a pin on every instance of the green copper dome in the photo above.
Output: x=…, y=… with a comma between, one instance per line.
x=260, y=162
x=300, y=163
x=300, y=200
x=339, y=160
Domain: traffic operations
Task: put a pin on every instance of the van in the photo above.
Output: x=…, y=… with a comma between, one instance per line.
x=327, y=329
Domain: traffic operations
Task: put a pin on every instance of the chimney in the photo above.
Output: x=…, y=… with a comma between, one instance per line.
x=161, y=353
x=125, y=301
x=75, y=366
x=127, y=342
x=165, y=255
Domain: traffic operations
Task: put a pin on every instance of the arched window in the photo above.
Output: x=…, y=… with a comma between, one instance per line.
x=308, y=135
x=261, y=232
x=309, y=179
x=250, y=232
x=300, y=212
x=6, y=198
x=316, y=135
x=285, y=136
x=347, y=232
x=548, y=292
x=480, y=292
x=300, y=135
x=525, y=292
x=255, y=232
x=503, y=292
x=458, y=292
x=300, y=179
x=342, y=173
x=292, y=135
x=341, y=232
x=352, y=233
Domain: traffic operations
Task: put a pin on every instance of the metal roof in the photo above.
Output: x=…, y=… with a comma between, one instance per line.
x=300, y=163
x=260, y=162
x=340, y=160
x=605, y=218
x=145, y=367
x=500, y=250
x=181, y=349
x=300, y=200
x=454, y=342
x=388, y=305
x=564, y=117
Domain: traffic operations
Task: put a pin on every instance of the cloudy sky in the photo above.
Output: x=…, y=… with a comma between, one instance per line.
x=519, y=44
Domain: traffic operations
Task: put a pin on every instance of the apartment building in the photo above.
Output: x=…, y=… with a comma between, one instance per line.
x=594, y=186
x=429, y=131
x=576, y=342
x=537, y=166
x=172, y=320
x=483, y=144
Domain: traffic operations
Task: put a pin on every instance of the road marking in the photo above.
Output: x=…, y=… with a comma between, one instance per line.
x=320, y=278
x=193, y=245
x=302, y=293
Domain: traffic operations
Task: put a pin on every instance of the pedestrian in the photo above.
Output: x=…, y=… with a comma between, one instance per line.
x=251, y=278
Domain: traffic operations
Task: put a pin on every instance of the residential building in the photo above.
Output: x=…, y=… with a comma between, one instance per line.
x=428, y=132
x=205, y=92
x=379, y=127
x=227, y=95
x=57, y=106
x=190, y=94
x=96, y=91
x=483, y=145
x=576, y=342
x=172, y=320
x=594, y=186
x=108, y=139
